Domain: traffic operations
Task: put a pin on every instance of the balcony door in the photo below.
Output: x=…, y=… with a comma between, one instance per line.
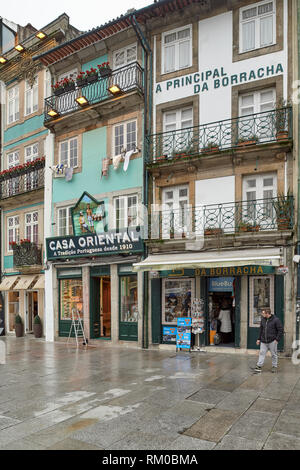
x=32, y=179
x=175, y=202
x=261, y=126
x=124, y=59
x=258, y=194
x=13, y=159
x=178, y=132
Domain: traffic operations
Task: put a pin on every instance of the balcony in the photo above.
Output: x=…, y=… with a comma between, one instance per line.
x=22, y=179
x=128, y=79
x=26, y=254
x=206, y=139
x=220, y=220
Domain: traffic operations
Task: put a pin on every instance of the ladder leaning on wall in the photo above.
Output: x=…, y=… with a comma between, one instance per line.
x=76, y=324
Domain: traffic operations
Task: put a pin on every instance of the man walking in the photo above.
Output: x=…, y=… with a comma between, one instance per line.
x=270, y=333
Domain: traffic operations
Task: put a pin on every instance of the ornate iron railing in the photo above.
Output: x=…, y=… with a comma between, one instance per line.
x=128, y=78
x=28, y=254
x=265, y=127
x=222, y=219
x=22, y=182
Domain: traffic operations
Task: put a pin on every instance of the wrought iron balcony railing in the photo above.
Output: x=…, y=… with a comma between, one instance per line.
x=128, y=78
x=222, y=219
x=259, y=128
x=22, y=181
x=27, y=254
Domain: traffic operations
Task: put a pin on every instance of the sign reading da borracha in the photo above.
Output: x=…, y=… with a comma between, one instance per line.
x=102, y=244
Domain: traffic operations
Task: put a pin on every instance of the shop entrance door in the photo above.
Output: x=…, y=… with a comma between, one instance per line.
x=31, y=309
x=100, y=307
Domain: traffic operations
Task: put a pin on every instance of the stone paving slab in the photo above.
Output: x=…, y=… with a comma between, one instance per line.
x=213, y=425
x=209, y=396
x=238, y=443
x=254, y=425
x=72, y=444
x=278, y=441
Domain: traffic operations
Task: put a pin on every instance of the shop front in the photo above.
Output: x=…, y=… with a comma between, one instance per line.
x=231, y=293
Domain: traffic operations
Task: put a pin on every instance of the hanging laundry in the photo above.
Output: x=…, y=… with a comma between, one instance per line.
x=105, y=166
x=60, y=169
x=69, y=173
x=116, y=161
x=127, y=158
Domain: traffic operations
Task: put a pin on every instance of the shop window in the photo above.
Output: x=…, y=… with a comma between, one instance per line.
x=177, y=49
x=257, y=26
x=13, y=113
x=261, y=296
x=177, y=295
x=128, y=299
x=13, y=308
x=70, y=298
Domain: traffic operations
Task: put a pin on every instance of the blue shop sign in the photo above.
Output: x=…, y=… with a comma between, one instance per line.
x=220, y=284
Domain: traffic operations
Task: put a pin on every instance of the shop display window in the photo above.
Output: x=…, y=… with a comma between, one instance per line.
x=70, y=297
x=13, y=308
x=177, y=296
x=129, y=298
x=261, y=296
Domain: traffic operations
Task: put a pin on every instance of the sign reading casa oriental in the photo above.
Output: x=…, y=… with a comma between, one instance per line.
x=103, y=244
x=216, y=78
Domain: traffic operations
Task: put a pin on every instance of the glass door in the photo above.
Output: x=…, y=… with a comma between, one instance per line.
x=128, y=308
x=31, y=310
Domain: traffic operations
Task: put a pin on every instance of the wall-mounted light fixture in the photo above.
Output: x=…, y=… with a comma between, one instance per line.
x=20, y=48
x=41, y=35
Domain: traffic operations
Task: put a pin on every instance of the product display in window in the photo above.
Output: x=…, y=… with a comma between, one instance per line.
x=71, y=297
x=261, y=297
x=128, y=298
x=177, y=299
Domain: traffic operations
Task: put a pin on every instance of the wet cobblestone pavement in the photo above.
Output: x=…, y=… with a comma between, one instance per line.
x=56, y=397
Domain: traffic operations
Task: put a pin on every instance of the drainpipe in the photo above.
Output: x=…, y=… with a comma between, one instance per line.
x=147, y=130
x=298, y=187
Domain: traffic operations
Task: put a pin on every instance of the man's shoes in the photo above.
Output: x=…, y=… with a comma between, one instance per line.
x=274, y=370
x=257, y=369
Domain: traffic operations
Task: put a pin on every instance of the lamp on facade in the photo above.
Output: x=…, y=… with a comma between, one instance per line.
x=115, y=90
x=20, y=48
x=81, y=100
x=41, y=35
x=3, y=60
x=52, y=113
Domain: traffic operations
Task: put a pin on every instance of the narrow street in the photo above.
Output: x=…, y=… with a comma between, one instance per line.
x=53, y=396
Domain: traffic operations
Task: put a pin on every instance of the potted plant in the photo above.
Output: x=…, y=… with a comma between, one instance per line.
x=37, y=327
x=281, y=120
x=251, y=140
x=81, y=79
x=19, y=329
x=68, y=84
x=57, y=88
x=104, y=70
x=211, y=231
x=210, y=147
x=92, y=75
x=283, y=209
x=244, y=227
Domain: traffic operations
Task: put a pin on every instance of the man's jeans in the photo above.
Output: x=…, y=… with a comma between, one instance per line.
x=264, y=348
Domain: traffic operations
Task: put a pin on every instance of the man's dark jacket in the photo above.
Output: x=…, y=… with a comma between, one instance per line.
x=270, y=329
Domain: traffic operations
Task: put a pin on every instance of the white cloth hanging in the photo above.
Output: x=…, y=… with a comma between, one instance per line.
x=116, y=161
x=127, y=158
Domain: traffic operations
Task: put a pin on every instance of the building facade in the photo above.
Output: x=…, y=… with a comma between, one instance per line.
x=24, y=85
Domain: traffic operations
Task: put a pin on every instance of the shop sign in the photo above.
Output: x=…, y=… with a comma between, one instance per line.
x=169, y=334
x=102, y=244
x=282, y=270
x=183, y=336
x=249, y=270
x=220, y=284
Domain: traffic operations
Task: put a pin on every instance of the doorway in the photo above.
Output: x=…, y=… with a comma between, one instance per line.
x=100, y=307
x=222, y=319
x=31, y=310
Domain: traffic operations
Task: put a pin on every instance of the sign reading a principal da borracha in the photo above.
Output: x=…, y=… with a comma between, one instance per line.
x=102, y=244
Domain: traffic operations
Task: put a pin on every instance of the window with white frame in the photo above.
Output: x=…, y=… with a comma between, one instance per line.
x=13, y=231
x=70, y=74
x=68, y=152
x=32, y=179
x=64, y=220
x=177, y=49
x=32, y=227
x=175, y=213
x=31, y=96
x=125, y=137
x=47, y=84
x=125, y=56
x=262, y=126
x=257, y=26
x=31, y=152
x=13, y=159
x=176, y=121
x=257, y=101
x=13, y=113
x=126, y=211
x=258, y=194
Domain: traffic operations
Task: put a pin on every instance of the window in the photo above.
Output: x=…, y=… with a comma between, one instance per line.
x=32, y=179
x=257, y=26
x=262, y=126
x=261, y=296
x=31, y=97
x=177, y=49
x=31, y=227
x=68, y=153
x=70, y=297
x=126, y=211
x=125, y=56
x=175, y=219
x=65, y=226
x=257, y=102
x=177, y=297
x=125, y=137
x=13, y=105
x=13, y=159
x=176, y=139
x=128, y=298
x=258, y=191
x=70, y=74
x=31, y=152
x=13, y=230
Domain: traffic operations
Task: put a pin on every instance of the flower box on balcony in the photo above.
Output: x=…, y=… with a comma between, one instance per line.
x=59, y=91
x=161, y=158
x=246, y=227
x=250, y=141
x=282, y=135
x=69, y=87
x=211, y=147
x=104, y=70
x=210, y=232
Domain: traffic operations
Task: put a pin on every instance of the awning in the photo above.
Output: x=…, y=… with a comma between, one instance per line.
x=40, y=283
x=8, y=282
x=24, y=282
x=263, y=257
